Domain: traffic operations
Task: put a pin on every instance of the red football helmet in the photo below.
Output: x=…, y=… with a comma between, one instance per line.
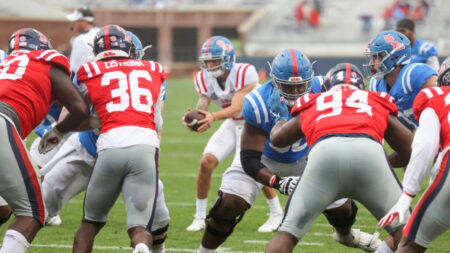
x=28, y=39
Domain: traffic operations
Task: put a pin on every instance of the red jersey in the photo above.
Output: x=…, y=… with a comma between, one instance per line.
x=123, y=91
x=344, y=111
x=438, y=99
x=25, y=84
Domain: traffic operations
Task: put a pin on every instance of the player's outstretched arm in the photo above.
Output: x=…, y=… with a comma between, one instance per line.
x=253, y=141
x=286, y=133
x=399, y=138
x=68, y=95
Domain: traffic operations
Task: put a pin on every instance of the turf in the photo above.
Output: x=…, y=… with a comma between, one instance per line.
x=179, y=157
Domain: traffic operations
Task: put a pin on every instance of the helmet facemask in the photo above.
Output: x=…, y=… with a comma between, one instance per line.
x=217, y=70
x=293, y=88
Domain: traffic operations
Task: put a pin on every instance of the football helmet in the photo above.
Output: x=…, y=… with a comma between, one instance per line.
x=385, y=52
x=444, y=73
x=292, y=74
x=343, y=73
x=217, y=48
x=28, y=39
x=138, y=53
x=112, y=41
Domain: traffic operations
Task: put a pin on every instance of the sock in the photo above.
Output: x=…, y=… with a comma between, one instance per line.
x=14, y=242
x=201, y=207
x=275, y=207
x=205, y=250
x=383, y=248
x=141, y=248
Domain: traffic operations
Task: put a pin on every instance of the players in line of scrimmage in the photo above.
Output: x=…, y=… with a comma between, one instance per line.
x=335, y=123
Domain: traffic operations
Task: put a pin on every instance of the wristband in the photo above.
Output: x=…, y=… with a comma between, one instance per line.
x=274, y=181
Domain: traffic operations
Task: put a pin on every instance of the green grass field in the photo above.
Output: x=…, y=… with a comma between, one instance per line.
x=179, y=157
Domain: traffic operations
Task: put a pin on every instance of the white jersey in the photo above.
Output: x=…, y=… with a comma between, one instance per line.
x=82, y=48
x=240, y=75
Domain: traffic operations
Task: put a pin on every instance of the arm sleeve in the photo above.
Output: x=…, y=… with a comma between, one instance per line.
x=433, y=62
x=425, y=147
x=79, y=54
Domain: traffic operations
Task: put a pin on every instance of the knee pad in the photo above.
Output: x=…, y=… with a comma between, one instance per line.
x=159, y=236
x=217, y=216
x=343, y=222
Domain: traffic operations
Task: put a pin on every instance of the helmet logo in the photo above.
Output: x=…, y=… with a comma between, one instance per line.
x=43, y=39
x=224, y=45
x=395, y=44
x=295, y=79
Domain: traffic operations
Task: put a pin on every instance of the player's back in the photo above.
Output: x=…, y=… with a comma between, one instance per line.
x=344, y=110
x=438, y=99
x=124, y=93
x=26, y=85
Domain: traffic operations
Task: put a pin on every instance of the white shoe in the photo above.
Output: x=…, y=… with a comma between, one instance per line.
x=197, y=224
x=53, y=221
x=359, y=239
x=271, y=224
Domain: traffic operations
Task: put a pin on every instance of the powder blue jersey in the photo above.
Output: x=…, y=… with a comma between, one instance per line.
x=408, y=84
x=422, y=50
x=256, y=112
x=51, y=117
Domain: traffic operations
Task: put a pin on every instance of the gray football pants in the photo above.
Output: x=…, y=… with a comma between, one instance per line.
x=338, y=167
x=132, y=171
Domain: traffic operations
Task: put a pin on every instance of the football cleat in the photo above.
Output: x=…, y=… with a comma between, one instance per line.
x=359, y=239
x=271, y=224
x=53, y=221
x=197, y=224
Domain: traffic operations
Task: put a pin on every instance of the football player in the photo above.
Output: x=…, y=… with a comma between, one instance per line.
x=67, y=174
x=432, y=138
x=344, y=126
x=292, y=76
x=388, y=63
x=5, y=209
x=127, y=95
x=31, y=78
x=226, y=83
x=421, y=51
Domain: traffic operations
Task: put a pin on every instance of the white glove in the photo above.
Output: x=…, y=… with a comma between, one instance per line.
x=50, y=140
x=287, y=185
x=398, y=212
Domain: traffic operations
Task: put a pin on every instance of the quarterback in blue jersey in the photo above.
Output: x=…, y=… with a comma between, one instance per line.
x=281, y=168
x=389, y=64
x=421, y=50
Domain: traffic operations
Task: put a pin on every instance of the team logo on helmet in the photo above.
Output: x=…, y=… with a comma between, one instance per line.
x=224, y=45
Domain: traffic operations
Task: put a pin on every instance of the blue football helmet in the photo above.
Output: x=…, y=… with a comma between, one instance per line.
x=112, y=41
x=292, y=74
x=385, y=52
x=138, y=53
x=28, y=39
x=217, y=48
x=342, y=74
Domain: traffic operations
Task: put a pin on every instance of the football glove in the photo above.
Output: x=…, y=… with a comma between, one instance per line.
x=398, y=212
x=50, y=140
x=285, y=185
x=277, y=105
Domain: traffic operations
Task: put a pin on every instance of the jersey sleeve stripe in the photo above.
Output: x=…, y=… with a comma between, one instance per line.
x=438, y=90
x=51, y=56
x=160, y=68
x=255, y=108
x=406, y=84
x=196, y=83
x=152, y=65
x=87, y=69
x=43, y=54
x=237, y=76
x=96, y=68
x=306, y=98
x=243, y=75
x=428, y=93
x=202, y=79
x=263, y=106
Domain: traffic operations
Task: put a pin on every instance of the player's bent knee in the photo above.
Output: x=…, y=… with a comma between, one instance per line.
x=159, y=236
x=342, y=216
x=225, y=214
x=208, y=162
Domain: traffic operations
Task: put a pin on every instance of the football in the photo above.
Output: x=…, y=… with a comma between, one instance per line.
x=192, y=117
